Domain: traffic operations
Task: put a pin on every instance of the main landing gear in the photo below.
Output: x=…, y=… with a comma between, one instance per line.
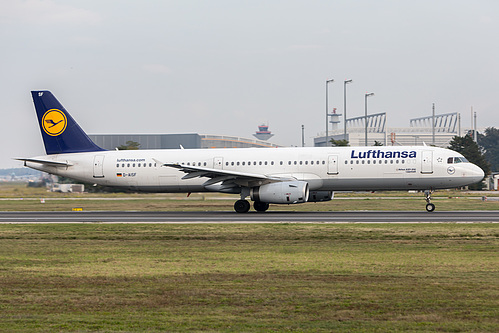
x=429, y=206
x=243, y=206
x=260, y=206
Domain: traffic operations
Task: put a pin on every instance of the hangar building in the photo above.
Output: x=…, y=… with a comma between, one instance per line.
x=174, y=141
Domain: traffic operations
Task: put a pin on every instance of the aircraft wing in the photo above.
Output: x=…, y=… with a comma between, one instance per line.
x=227, y=177
x=45, y=162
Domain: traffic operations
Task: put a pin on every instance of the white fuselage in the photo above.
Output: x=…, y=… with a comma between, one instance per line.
x=324, y=169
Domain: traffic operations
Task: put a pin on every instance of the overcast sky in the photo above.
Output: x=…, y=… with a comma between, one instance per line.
x=224, y=67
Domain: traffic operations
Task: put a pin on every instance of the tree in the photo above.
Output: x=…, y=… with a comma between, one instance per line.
x=130, y=145
x=490, y=144
x=339, y=143
x=469, y=149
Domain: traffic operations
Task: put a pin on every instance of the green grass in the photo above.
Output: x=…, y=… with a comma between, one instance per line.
x=18, y=197
x=257, y=278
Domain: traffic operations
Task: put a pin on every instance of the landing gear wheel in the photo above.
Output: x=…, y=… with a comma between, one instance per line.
x=429, y=206
x=242, y=206
x=260, y=206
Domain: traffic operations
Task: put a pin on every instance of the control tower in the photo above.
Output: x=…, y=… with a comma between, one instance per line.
x=263, y=133
x=334, y=119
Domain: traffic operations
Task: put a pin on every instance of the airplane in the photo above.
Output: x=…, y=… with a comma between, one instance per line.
x=265, y=175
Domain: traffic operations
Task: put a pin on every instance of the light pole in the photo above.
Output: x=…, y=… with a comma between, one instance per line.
x=303, y=135
x=327, y=110
x=345, y=107
x=365, y=121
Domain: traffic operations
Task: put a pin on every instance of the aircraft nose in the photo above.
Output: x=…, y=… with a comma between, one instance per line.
x=477, y=173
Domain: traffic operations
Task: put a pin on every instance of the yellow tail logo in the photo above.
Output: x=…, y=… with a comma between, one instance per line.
x=54, y=122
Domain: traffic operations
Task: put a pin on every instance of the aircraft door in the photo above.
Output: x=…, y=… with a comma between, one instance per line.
x=332, y=164
x=99, y=166
x=427, y=161
x=218, y=163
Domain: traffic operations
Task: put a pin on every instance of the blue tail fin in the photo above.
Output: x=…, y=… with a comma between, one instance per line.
x=61, y=134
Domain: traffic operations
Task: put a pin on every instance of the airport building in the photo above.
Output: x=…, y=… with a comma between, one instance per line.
x=419, y=132
x=177, y=141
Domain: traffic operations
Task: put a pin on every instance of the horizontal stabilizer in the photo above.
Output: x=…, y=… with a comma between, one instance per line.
x=45, y=162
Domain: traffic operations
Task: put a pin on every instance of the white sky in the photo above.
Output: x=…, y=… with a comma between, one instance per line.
x=224, y=67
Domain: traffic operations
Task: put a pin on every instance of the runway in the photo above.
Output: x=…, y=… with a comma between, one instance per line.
x=252, y=217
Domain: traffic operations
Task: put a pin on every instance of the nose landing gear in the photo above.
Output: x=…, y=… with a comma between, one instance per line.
x=429, y=206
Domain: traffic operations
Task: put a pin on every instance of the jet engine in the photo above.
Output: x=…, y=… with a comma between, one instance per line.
x=319, y=196
x=281, y=193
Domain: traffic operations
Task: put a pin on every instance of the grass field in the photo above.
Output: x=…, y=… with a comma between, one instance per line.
x=253, y=278
x=17, y=197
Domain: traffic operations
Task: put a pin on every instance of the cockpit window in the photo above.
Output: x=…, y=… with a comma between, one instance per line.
x=455, y=160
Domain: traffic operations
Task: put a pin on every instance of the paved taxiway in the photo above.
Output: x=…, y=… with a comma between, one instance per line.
x=252, y=217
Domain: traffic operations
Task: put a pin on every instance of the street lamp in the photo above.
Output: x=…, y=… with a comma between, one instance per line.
x=345, y=107
x=327, y=111
x=303, y=135
x=365, y=121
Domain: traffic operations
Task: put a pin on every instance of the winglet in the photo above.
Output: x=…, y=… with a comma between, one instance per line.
x=60, y=132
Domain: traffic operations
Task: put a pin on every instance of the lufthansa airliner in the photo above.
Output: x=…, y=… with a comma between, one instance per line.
x=264, y=175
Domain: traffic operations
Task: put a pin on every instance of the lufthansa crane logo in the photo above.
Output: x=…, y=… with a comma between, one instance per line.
x=54, y=122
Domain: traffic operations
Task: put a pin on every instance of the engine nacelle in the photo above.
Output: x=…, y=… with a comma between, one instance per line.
x=319, y=196
x=281, y=193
